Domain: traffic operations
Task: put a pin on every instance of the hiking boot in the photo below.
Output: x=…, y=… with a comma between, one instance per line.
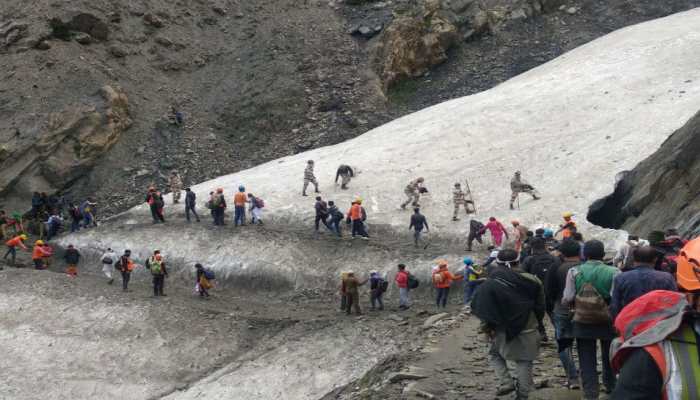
x=304, y=194
x=573, y=384
x=364, y=238
x=403, y=206
x=504, y=390
x=535, y=198
x=109, y=282
x=455, y=219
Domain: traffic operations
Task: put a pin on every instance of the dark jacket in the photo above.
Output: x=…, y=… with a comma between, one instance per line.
x=475, y=228
x=344, y=170
x=190, y=199
x=539, y=264
x=629, y=386
x=335, y=213
x=418, y=222
x=555, y=282
x=321, y=208
x=72, y=257
x=636, y=282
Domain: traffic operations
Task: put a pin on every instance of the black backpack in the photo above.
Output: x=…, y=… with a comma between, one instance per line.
x=412, y=282
x=383, y=285
x=540, y=264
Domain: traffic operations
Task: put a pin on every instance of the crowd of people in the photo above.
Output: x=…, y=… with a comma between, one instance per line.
x=639, y=307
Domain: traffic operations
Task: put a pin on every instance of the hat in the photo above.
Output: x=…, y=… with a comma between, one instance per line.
x=241, y=188
x=468, y=261
x=420, y=179
x=39, y=243
x=442, y=262
x=219, y=190
x=567, y=214
x=507, y=256
x=548, y=233
x=23, y=236
x=517, y=172
x=515, y=222
x=457, y=184
x=310, y=162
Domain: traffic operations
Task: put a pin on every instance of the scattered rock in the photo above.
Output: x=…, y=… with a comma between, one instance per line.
x=571, y=10
x=117, y=51
x=153, y=20
x=43, y=45
x=412, y=374
x=11, y=32
x=163, y=41
x=431, y=321
x=395, y=317
x=219, y=10
x=83, y=38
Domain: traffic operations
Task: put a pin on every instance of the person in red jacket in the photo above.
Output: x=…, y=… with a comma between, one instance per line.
x=402, y=283
x=497, y=231
x=442, y=278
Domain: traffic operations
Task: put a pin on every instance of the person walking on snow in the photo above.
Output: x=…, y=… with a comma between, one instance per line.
x=497, y=231
x=321, y=215
x=125, y=266
x=256, y=208
x=155, y=203
x=190, y=204
x=517, y=186
x=459, y=200
x=377, y=285
x=418, y=222
x=336, y=217
x=472, y=274
x=157, y=266
x=175, y=183
x=475, y=233
x=357, y=216
x=12, y=245
x=412, y=192
x=108, y=260
x=309, y=177
x=346, y=173
x=218, y=206
x=239, y=202
x=442, y=279
x=72, y=258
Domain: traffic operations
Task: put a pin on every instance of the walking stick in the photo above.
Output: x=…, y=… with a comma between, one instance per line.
x=469, y=193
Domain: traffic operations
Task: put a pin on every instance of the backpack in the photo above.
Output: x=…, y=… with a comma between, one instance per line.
x=155, y=266
x=412, y=282
x=209, y=274
x=438, y=278
x=383, y=285
x=590, y=307
x=539, y=264
x=259, y=203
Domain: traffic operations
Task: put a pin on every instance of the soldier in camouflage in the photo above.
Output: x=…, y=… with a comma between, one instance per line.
x=309, y=177
x=459, y=200
x=412, y=192
x=517, y=186
x=175, y=183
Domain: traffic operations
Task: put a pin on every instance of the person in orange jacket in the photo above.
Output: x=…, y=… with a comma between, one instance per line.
x=240, y=200
x=40, y=254
x=442, y=278
x=125, y=266
x=357, y=216
x=12, y=247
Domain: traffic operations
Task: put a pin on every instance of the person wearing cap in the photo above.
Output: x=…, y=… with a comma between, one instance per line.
x=591, y=322
x=555, y=282
x=412, y=192
x=175, y=183
x=12, y=244
x=510, y=305
x=108, y=259
x=190, y=204
x=459, y=199
x=442, y=278
x=239, y=202
x=472, y=275
x=125, y=266
x=376, y=291
x=418, y=222
x=72, y=258
x=40, y=254
x=568, y=227
x=352, y=293
x=656, y=353
x=346, y=173
x=517, y=186
x=309, y=177
x=156, y=264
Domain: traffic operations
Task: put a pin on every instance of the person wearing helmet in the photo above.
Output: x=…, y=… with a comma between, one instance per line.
x=472, y=274
x=550, y=242
x=568, y=228
x=459, y=199
x=41, y=254
x=12, y=244
x=356, y=216
x=156, y=264
x=658, y=339
x=412, y=192
x=510, y=305
x=240, y=200
x=175, y=183
x=517, y=186
x=309, y=177
x=345, y=172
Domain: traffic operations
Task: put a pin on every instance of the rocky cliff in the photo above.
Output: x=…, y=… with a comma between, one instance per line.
x=662, y=192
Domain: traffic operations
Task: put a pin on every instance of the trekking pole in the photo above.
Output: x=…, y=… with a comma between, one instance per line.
x=518, y=199
x=469, y=192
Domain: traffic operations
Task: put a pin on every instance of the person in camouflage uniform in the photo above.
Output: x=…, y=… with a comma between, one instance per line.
x=517, y=186
x=459, y=200
x=309, y=177
x=412, y=192
x=175, y=183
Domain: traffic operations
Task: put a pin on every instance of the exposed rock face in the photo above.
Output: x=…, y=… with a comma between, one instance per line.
x=68, y=146
x=412, y=44
x=663, y=191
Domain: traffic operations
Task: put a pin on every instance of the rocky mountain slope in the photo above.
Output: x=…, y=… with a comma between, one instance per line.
x=255, y=81
x=662, y=192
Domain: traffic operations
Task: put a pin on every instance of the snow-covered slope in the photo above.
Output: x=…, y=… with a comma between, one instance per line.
x=570, y=125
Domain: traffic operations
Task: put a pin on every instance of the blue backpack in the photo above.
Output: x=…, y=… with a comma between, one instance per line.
x=209, y=274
